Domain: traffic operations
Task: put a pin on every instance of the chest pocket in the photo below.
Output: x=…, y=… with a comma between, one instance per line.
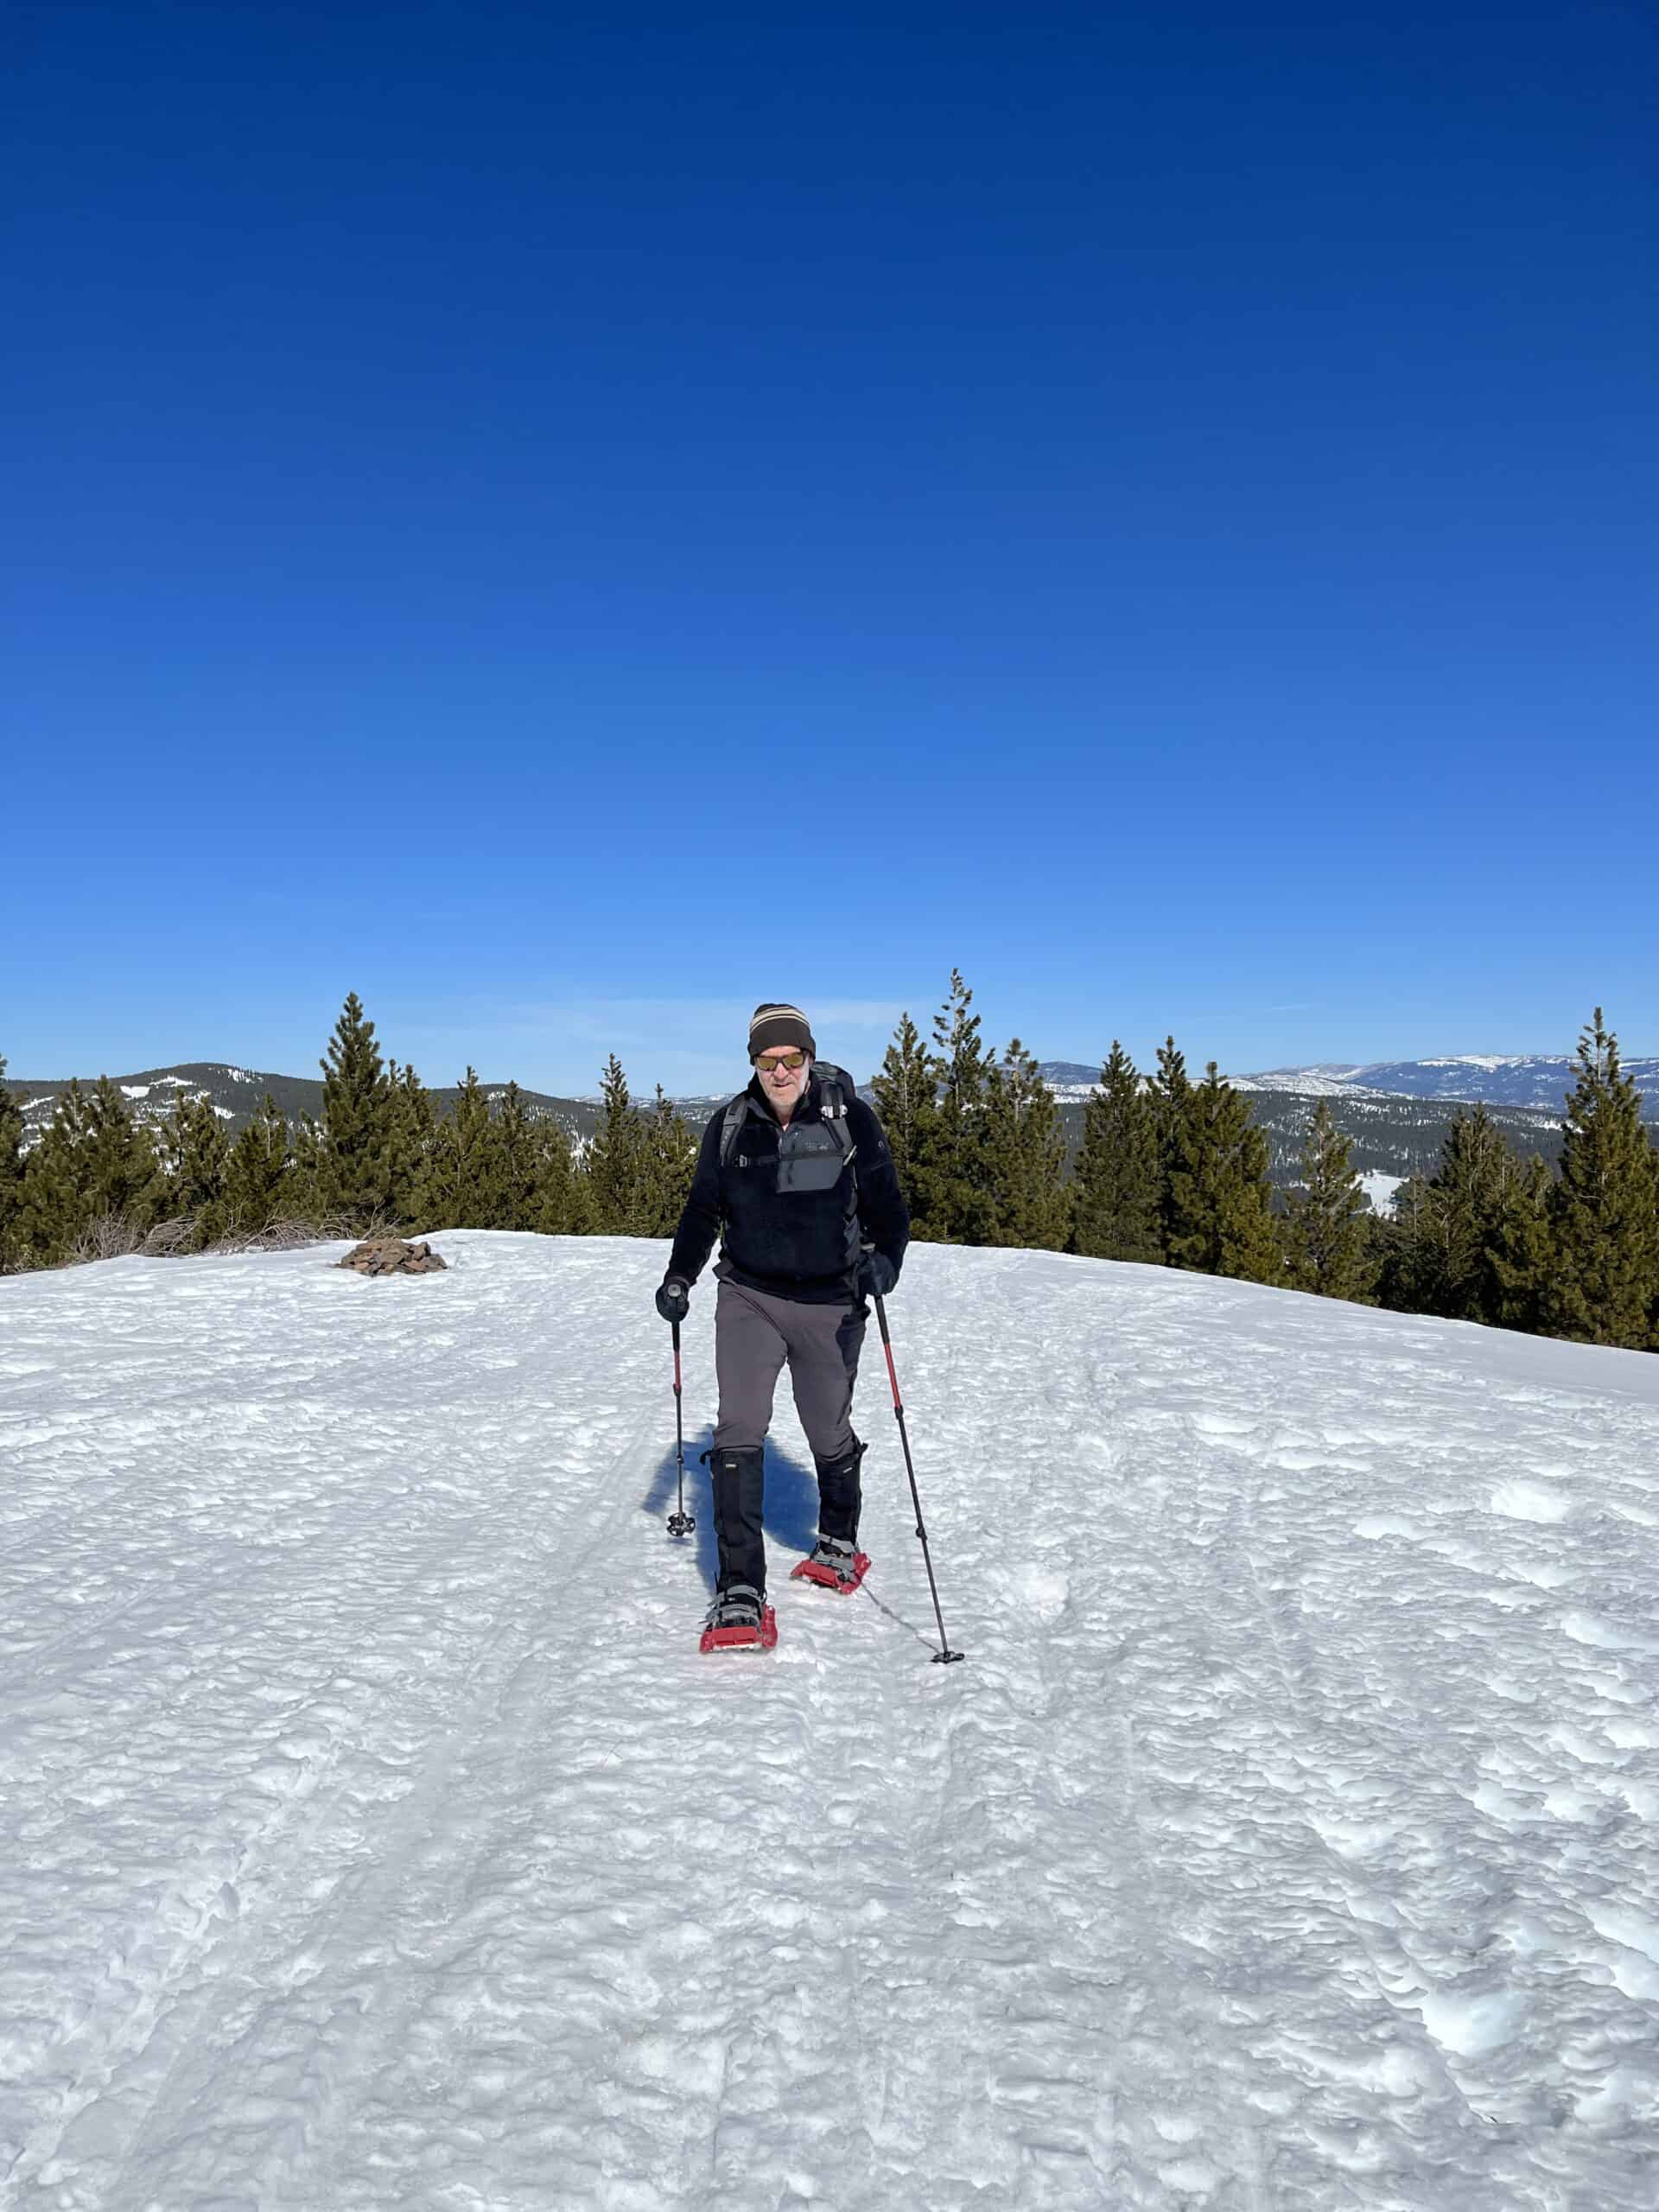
x=810, y=1158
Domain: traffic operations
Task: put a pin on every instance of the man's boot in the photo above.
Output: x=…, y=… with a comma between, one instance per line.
x=740, y=1618
x=836, y=1562
x=838, y=1494
x=737, y=1476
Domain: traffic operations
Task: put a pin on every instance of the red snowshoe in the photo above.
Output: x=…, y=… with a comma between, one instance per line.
x=833, y=1564
x=739, y=1620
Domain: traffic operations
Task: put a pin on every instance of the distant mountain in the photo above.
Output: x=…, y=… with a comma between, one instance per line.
x=237, y=1094
x=1327, y=1079
x=1070, y=1078
x=1391, y=1136
x=1392, y=1133
x=1395, y=1112
x=1536, y=1080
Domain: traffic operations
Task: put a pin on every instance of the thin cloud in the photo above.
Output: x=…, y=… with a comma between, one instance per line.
x=691, y=1045
x=679, y=1017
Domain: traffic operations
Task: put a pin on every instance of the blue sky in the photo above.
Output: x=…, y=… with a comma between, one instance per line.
x=568, y=525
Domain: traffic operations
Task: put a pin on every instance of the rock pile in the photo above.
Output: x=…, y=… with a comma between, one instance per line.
x=390, y=1256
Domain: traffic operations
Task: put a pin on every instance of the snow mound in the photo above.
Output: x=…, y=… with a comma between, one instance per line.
x=371, y=1833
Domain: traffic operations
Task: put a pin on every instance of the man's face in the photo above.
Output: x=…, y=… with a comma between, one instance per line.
x=782, y=1083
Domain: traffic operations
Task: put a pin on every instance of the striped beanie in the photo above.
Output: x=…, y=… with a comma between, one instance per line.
x=773, y=1024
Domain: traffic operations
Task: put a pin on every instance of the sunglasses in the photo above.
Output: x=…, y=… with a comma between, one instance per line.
x=768, y=1061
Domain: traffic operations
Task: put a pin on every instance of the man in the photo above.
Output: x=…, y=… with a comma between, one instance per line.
x=796, y=1178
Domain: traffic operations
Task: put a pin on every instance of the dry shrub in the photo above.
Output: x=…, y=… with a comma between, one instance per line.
x=116, y=1236
x=110, y=1237
x=359, y=1226
x=290, y=1232
x=168, y=1239
x=287, y=1236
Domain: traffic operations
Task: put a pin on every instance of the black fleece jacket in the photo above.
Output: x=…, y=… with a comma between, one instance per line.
x=798, y=1244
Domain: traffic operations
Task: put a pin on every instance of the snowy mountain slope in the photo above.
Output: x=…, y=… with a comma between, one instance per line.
x=371, y=1831
x=1396, y=1137
x=1390, y=1135
x=236, y=1094
x=1538, y=1081
x=1319, y=1082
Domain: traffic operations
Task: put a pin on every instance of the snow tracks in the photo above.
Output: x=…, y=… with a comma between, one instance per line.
x=374, y=1832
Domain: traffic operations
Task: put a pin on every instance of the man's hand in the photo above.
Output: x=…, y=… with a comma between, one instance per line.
x=674, y=1298
x=877, y=1275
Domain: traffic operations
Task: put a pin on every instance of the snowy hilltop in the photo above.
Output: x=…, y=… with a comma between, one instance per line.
x=1536, y=1081
x=372, y=1834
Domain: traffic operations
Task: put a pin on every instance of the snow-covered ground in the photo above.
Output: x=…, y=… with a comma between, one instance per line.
x=1380, y=1189
x=371, y=1833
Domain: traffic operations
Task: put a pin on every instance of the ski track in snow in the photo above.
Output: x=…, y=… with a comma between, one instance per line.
x=371, y=1831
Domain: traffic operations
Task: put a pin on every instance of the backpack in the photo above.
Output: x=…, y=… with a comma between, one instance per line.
x=836, y=1087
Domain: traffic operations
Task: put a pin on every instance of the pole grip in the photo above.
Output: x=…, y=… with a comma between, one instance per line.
x=886, y=1346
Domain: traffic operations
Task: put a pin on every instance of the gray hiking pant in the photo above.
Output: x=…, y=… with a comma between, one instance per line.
x=754, y=1334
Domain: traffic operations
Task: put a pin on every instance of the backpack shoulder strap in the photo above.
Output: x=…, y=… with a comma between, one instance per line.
x=736, y=1112
x=834, y=1089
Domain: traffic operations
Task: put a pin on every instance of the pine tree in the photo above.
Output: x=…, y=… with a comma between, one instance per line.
x=11, y=1176
x=1468, y=1188
x=518, y=1155
x=463, y=1186
x=196, y=1153
x=1605, y=1287
x=1325, y=1231
x=257, y=1187
x=305, y=1176
x=1221, y=1212
x=957, y=1189
x=616, y=1166
x=356, y=1166
x=906, y=1099
x=1025, y=1156
x=1172, y=1090
x=1114, y=1187
x=1471, y=1242
x=125, y=1177
x=1522, y=1255
x=1403, y=1241
x=1469, y=1196
x=54, y=1202
x=559, y=1203
x=413, y=1125
x=671, y=1160
x=92, y=1169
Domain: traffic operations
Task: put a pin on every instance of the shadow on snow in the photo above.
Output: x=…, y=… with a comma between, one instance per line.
x=792, y=1507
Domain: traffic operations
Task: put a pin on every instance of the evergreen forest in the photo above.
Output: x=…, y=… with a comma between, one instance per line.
x=1172, y=1171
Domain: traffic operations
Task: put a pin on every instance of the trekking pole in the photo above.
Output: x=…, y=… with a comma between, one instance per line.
x=944, y=1654
x=680, y=1524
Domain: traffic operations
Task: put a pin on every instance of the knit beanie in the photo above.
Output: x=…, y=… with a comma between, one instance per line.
x=771, y=1026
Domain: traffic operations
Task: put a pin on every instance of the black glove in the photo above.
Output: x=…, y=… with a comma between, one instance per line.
x=877, y=1275
x=674, y=1298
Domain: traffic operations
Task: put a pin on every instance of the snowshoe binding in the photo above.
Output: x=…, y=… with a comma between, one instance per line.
x=833, y=1564
x=739, y=1620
